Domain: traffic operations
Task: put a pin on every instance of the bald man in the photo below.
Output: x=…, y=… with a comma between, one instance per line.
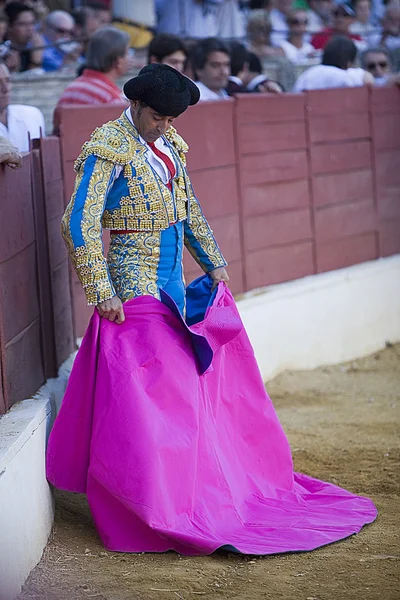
x=58, y=34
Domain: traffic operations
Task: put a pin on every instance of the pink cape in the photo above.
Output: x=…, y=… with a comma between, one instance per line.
x=169, y=431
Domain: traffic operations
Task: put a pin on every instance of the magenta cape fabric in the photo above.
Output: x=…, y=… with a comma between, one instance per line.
x=174, y=459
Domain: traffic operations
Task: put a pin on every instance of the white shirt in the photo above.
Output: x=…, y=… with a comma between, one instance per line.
x=315, y=23
x=22, y=122
x=207, y=94
x=296, y=55
x=323, y=77
x=280, y=28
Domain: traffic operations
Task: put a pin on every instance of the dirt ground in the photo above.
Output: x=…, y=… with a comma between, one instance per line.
x=342, y=423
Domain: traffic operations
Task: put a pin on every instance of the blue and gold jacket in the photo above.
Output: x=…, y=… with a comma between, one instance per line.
x=117, y=188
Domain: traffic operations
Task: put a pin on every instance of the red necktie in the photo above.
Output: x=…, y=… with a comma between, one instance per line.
x=167, y=161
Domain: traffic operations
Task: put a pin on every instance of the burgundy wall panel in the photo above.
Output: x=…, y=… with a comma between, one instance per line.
x=277, y=228
x=344, y=252
x=342, y=220
x=271, y=197
x=23, y=356
x=342, y=187
x=20, y=301
x=274, y=265
x=385, y=118
x=20, y=327
x=216, y=190
x=207, y=129
x=273, y=167
x=340, y=157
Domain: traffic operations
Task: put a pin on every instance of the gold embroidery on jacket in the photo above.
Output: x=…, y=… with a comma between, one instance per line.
x=133, y=261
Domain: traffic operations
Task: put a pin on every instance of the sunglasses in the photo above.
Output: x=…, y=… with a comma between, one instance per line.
x=382, y=64
x=298, y=21
x=63, y=31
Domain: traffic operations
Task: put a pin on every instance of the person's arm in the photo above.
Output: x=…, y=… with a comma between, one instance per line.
x=9, y=154
x=201, y=243
x=81, y=228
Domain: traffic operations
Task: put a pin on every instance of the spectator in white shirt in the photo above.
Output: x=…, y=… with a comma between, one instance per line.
x=18, y=122
x=212, y=66
x=390, y=35
x=279, y=24
x=259, y=35
x=296, y=48
x=336, y=70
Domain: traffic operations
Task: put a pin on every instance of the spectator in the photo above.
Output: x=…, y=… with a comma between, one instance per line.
x=336, y=69
x=212, y=66
x=188, y=18
x=390, y=35
x=239, y=69
x=259, y=35
x=243, y=64
x=295, y=48
x=18, y=122
x=279, y=23
x=377, y=61
x=343, y=17
x=102, y=13
x=107, y=60
x=362, y=24
x=25, y=42
x=169, y=50
x=87, y=22
x=9, y=154
x=319, y=15
x=58, y=34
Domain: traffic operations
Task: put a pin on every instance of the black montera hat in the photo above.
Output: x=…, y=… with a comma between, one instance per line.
x=164, y=89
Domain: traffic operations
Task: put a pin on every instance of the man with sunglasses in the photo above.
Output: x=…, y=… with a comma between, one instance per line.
x=377, y=61
x=343, y=17
x=296, y=48
x=58, y=34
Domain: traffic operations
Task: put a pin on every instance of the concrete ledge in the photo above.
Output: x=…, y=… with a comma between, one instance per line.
x=26, y=504
x=324, y=319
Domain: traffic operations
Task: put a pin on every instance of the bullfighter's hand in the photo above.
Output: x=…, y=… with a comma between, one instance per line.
x=218, y=275
x=112, y=309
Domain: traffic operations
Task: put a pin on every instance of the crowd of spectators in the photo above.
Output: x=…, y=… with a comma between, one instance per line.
x=222, y=45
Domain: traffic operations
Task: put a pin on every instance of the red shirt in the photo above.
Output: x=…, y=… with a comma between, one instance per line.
x=319, y=40
x=92, y=87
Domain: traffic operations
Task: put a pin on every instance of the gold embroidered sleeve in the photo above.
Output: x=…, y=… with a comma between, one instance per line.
x=200, y=240
x=82, y=231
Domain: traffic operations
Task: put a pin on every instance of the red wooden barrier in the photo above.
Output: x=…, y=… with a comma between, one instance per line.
x=341, y=177
x=276, y=215
x=22, y=369
x=58, y=261
x=385, y=120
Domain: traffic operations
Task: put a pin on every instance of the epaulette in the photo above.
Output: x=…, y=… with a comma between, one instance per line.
x=176, y=140
x=110, y=142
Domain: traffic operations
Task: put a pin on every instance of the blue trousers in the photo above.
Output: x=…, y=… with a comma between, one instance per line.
x=143, y=263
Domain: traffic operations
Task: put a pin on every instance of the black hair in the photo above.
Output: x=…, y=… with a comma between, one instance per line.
x=339, y=52
x=239, y=57
x=164, y=44
x=203, y=49
x=255, y=65
x=14, y=9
